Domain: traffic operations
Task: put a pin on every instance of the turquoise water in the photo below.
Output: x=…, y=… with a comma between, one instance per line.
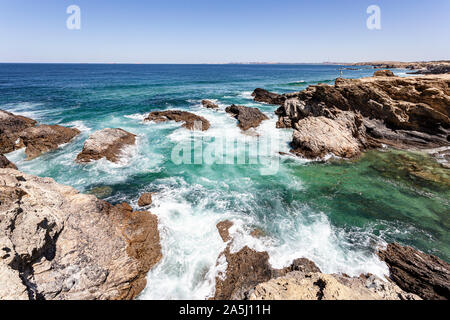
x=334, y=213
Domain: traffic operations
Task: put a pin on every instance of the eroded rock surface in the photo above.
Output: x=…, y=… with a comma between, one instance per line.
x=107, y=143
x=410, y=113
x=5, y=163
x=10, y=127
x=261, y=95
x=248, y=117
x=56, y=243
x=45, y=138
x=145, y=200
x=191, y=121
x=417, y=272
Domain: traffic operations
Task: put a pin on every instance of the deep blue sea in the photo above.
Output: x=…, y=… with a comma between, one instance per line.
x=336, y=214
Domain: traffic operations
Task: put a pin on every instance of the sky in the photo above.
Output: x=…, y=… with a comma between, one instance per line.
x=210, y=31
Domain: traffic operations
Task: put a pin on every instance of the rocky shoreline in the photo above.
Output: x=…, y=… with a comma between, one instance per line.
x=58, y=244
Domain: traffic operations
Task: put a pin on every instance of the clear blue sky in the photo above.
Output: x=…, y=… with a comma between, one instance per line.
x=209, y=31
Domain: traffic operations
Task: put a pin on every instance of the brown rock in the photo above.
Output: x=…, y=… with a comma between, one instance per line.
x=5, y=163
x=247, y=117
x=70, y=246
x=209, y=104
x=257, y=233
x=261, y=95
x=10, y=128
x=316, y=137
x=45, y=138
x=417, y=272
x=384, y=73
x=145, y=200
x=106, y=143
x=223, y=228
x=191, y=121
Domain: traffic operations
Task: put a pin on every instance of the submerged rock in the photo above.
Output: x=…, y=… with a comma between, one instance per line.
x=261, y=95
x=247, y=117
x=209, y=104
x=223, y=227
x=106, y=143
x=417, y=272
x=45, y=138
x=101, y=192
x=145, y=200
x=191, y=121
x=5, y=163
x=10, y=127
x=59, y=244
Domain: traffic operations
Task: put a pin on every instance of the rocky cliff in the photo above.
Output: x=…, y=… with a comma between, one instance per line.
x=409, y=113
x=59, y=244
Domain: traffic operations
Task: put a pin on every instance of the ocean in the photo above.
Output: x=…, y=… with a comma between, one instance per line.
x=337, y=213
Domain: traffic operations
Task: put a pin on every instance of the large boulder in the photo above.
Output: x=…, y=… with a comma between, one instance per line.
x=10, y=127
x=261, y=95
x=45, y=138
x=59, y=244
x=5, y=163
x=247, y=117
x=106, y=143
x=417, y=272
x=190, y=121
x=317, y=137
x=384, y=73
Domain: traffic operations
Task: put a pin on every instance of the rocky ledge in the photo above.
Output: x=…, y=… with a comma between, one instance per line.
x=247, y=117
x=59, y=244
x=191, y=121
x=45, y=138
x=106, y=143
x=356, y=114
x=10, y=127
x=249, y=275
x=417, y=272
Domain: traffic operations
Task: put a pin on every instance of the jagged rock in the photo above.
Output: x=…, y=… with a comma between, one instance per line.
x=223, y=228
x=209, y=104
x=261, y=95
x=59, y=244
x=10, y=127
x=106, y=143
x=191, y=121
x=384, y=73
x=299, y=285
x=316, y=137
x=247, y=117
x=45, y=138
x=417, y=272
x=145, y=200
x=5, y=163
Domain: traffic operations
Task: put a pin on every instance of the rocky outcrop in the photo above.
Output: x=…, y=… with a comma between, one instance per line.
x=247, y=117
x=191, y=121
x=300, y=285
x=209, y=104
x=5, y=163
x=261, y=95
x=145, y=200
x=342, y=136
x=56, y=243
x=420, y=65
x=10, y=127
x=106, y=143
x=407, y=113
x=437, y=69
x=249, y=275
x=384, y=73
x=45, y=138
x=417, y=272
